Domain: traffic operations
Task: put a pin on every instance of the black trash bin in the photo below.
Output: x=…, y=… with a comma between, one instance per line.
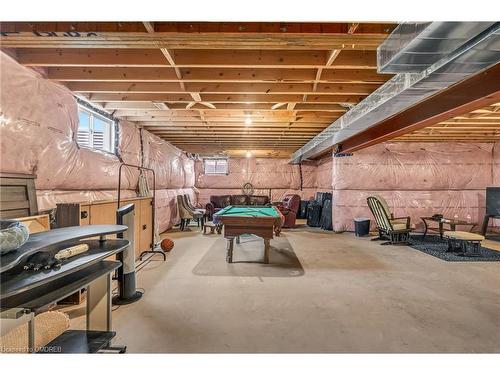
x=361, y=226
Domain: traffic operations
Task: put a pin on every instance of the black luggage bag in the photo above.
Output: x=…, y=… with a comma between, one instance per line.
x=326, y=215
x=302, y=214
x=313, y=214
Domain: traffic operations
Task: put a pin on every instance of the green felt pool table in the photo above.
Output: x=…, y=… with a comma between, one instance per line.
x=262, y=221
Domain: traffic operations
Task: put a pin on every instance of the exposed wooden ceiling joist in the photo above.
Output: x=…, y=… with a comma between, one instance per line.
x=89, y=57
x=241, y=98
x=246, y=74
x=227, y=107
x=222, y=88
x=175, y=40
x=475, y=92
x=210, y=86
x=204, y=27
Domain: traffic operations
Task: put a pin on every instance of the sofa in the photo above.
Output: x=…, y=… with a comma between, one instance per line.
x=289, y=207
x=218, y=202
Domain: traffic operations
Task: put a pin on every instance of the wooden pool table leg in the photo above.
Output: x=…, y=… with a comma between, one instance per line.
x=229, y=247
x=266, y=250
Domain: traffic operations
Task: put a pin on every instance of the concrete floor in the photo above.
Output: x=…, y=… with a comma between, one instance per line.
x=355, y=296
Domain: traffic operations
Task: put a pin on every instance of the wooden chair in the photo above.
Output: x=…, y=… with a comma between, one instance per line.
x=397, y=230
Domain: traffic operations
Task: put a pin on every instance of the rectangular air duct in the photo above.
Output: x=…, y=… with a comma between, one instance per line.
x=413, y=47
x=480, y=52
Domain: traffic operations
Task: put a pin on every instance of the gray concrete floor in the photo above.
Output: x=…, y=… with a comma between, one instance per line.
x=355, y=296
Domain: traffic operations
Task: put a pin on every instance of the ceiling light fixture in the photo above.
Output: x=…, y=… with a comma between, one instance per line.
x=249, y=154
x=248, y=121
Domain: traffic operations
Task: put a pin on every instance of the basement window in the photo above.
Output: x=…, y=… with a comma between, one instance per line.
x=95, y=131
x=215, y=166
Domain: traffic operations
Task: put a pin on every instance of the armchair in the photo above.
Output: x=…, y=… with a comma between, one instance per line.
x=187, y=214
x=289, y=208
x=187, y=200
x=217, y=203
x=396, y=229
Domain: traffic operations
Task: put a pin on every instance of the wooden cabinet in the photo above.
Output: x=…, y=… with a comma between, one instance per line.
x=104, y=212
x=145, y=235
x=36, y=224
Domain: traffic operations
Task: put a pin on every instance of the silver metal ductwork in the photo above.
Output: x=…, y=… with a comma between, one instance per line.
x=413, y=47
x=439, y=62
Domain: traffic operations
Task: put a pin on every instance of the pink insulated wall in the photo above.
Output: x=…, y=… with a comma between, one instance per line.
x=39, y=120
x=416, y=179
x=38, y=124
x=269, y=176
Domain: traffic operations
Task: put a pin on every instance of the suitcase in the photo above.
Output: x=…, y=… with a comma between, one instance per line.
x=322, y=196
x=313, y=214
x=302, y=214
x=326, y=215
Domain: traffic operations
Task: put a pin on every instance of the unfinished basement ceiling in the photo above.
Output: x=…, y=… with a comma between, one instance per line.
x=481, y=125
x=211, y=87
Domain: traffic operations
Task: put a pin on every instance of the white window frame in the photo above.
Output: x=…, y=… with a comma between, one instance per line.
x=216, y=173
x=110, y=148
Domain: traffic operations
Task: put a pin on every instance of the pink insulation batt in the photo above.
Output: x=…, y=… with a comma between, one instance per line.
x=416, y=179
x=39, y=120
x=38, y=137
x=269, y=176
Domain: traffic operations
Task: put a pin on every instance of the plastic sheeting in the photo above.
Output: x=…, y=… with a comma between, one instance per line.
x=496, y=165
x=349, y=204
x=167, y=214
x=309, y=175
x=275, y=194
x=129, y=146
x=416, y=179
x=416, y=166
x=38, y=123
x=168, y=161
x=38, y=127
x=324, y=174
x=273, y=177
x=262, y=173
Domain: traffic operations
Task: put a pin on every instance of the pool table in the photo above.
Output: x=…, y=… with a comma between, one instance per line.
x=261, y=221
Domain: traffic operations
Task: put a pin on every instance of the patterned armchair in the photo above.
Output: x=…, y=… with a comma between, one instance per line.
x=289, y=208
x=187, y=200
x=187, y=214
x=397, y=230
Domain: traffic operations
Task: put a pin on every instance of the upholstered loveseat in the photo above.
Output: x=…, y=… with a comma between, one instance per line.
x=218, y=202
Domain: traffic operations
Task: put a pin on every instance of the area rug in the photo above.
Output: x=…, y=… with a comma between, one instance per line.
x=247, y=255
x=435, y=246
